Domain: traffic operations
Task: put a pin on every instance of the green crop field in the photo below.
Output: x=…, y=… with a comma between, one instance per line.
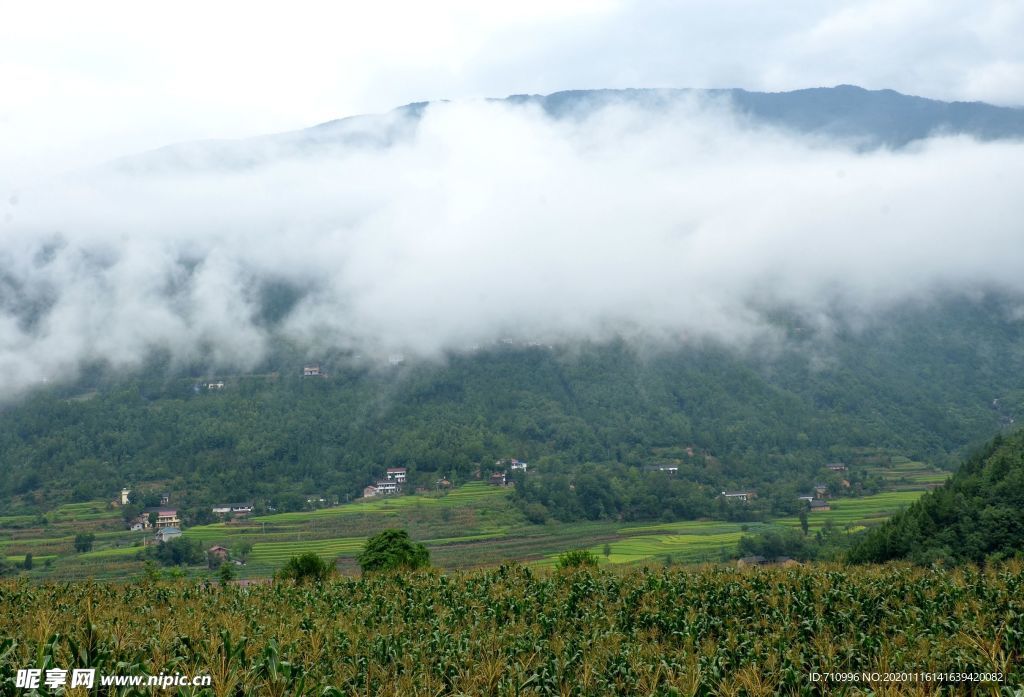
x=473, y=525
x=858, y=512
x=514, y=630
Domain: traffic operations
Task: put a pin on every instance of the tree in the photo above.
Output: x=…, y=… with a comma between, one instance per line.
x=804, y=525
x=83, y=541
x=306, y=567
x=392, y=550
x=576, y=558
x=130, y=512
x=179, y=552
x=243, y=549
x=27, y=564
x=226, y=574
x=152, y=519
x=607, y=550
x=777, y=543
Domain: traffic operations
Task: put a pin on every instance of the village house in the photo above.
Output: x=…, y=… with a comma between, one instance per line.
x=388, y=487
x=235, y=509
x=819, y=505
x=369, y=491
x=167, y=534
x=498, y=479
x=125, y=493
x=219, y=553
x=139, y=524
x=743, y=496
x=396, y=474
x=312, y=370
x=836, y=466
x=219, y=385
x=820, y=491
x=512, y=464
x=165, y=498
x=165, y=518
x=443, y=484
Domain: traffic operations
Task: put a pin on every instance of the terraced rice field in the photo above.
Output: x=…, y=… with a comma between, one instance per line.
x=110, y=552
x=905, y=474
x=474, y=492
x=15, y=520
x=859, y=512
x=474, y=525
x=90, y=510
x=279, y=552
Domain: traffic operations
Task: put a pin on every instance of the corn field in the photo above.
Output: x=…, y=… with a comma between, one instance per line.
x=516, y=631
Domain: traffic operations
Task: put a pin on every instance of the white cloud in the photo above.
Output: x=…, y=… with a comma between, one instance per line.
x=496, y=221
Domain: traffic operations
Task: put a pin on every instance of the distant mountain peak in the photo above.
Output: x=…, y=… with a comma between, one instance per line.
x=848, y=113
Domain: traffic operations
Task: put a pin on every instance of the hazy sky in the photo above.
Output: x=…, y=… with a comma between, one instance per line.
x=81, y=82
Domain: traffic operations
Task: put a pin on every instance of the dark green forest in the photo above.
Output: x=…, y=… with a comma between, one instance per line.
x=977, y=516
x=926, y=381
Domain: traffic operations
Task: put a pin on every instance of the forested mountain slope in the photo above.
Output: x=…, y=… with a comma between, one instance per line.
x=977, y=515
x=923, y=381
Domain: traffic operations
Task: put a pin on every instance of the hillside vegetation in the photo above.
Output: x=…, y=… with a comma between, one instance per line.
x=924, y=383
x=976, y=516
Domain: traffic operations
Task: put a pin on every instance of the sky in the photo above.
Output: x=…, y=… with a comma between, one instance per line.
x=84, y=82
x=482, y=221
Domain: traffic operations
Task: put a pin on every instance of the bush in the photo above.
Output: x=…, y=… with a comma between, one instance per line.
x=179, y=552
x=391, y=550
x=772, y=544
x=576, y=558
x=306, y=567
x=536, y=513
x=83, y=541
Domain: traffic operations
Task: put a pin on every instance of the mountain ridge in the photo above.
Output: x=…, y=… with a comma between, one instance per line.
x=870, y=118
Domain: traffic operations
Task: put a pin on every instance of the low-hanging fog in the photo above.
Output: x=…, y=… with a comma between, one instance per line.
x=489, y=221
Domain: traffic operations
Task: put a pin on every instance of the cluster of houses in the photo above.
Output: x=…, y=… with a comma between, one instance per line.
x=391, y=484
x=818, y=501
x=500, y=477
x=163, y=519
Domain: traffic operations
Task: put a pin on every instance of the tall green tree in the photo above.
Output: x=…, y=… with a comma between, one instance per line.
x=392, y=550
x=306, y=568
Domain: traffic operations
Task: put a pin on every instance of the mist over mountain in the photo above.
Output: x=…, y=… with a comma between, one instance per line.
x=849, y=114
x=666, y=217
